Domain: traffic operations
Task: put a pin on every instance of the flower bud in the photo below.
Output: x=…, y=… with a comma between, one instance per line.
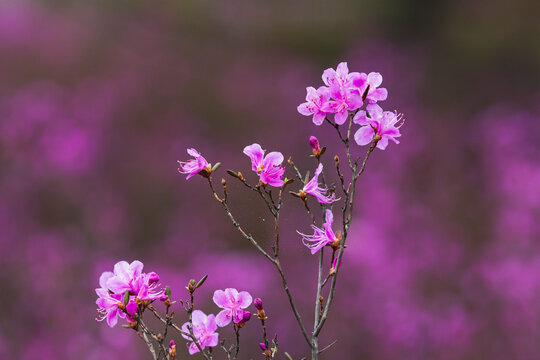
x=258, y=304
x=314, y=143
x=191, y=285
x=262, y=346
x=172, y=349
x=246, y=315
x=153, y=278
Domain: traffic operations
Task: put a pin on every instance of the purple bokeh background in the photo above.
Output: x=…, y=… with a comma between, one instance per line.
x=99, y=99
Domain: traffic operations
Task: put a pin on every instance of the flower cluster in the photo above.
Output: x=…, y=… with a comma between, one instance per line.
x=343, y=95
x=122, y=290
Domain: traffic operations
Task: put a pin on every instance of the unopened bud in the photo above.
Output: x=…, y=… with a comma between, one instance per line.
x=216, y=167
x=314, y=143
x=321, y=299
x=191, y=285
x=336, y=159
x=223, y=182
x=168, y=291
x=262, y=346
x=258, y=304
x=172, y=349
x=246, y=316
x=126, y=297
x=199, y=284
x=153, y=278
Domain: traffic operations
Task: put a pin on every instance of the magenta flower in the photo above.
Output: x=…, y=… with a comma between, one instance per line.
x=232, y=302
x=345, y=100
x=267, y=167
x=320, y=237
x=378, y=123
x=123, y=276
x=194, y=166
x=110, y=305
x=312, y=188
x=315, y=99
x=373, y=80
x=340, y=78
x=204, y=330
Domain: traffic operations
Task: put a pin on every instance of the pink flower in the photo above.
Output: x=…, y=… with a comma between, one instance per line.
x=320, y=237
x=193, y=166
x=312, y=188
x=204, y=330
x=315, y=99
x=123, y=276
x=340, y=78
x=109, y=305
x=232, y=302
x=373, y=80
x=345, y=100
x=268, y=167
x=382, y=124
x=314, y=143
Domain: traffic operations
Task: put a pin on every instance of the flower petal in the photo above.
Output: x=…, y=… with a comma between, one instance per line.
x=364, y=135
x=244, y=299
x=223, y=318
x=221, y=299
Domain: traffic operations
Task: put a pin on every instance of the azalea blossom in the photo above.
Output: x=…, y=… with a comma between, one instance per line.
x=315, y=100
x=345, y=100
x=320, y=237
x=233, y=304
x=204, y=330
x=194, y=166
x=125, y=278
x=379, y=123
x=373, y=80
x=267, y=167
x=340, y=78
x=312, y=188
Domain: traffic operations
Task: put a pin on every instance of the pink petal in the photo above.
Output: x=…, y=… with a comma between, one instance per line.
x=375, y=111
x=193, y=349
x=112, y=317
x=193, y=152
x=361, y=118
x=383, y=143
x=223, y=318
x=221, y=299
x=318, y=118
x=305, y=109
x=275, y=158
x=329, y=217
x=341, y=117
x=378, y=95
x=135, y=268
x=212, y=341
x=374, y=79
x=329, y=76
x=244, y=299
x=311, y=93
x=364, y=135
x=255, y=153
x=211, y=324
x=342, y=70
x=104, y=278
x=198, y=318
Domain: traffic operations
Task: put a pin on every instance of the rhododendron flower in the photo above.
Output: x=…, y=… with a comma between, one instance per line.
x=373, y=80
x=194, y=166
x=320, y=237
x=340, y=78
x=267, y=167
x=345, y=100
x=204, y=330
x=232, y=302
x=110, y=305
x=312, y=188
x=315, y=99
x=379, y=122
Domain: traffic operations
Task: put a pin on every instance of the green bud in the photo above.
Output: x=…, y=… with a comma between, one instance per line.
x=126, y=297
x=199, y=284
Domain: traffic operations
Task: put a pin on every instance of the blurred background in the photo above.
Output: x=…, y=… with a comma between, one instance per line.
x=99, y=99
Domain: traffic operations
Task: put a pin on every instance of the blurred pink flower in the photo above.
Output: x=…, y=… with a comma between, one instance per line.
x=320, y=237
x=315, y=100
x=378, y=123
x=232, y=302
x=204, y=330
x=268, y=167
x=194, y=166
x=312, y=188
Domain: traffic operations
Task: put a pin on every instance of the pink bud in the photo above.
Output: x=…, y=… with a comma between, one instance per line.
x=171, y=344
x=258, y=303
x=314, y=143
x=153, y=278
x=262, y=346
